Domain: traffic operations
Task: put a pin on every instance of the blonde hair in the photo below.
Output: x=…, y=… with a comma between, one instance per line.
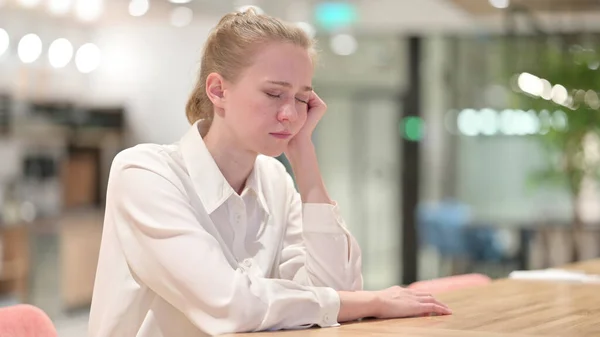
x=229, y=50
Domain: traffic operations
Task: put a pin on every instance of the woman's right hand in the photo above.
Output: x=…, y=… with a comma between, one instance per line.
x=396, y=302
x=393, y=302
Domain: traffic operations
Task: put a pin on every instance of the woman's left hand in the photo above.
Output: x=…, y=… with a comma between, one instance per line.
x=302, y=155
x=316, y=110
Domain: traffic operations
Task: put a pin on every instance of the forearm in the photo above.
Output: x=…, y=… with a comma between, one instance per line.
x=355, y=305
x=308, y=176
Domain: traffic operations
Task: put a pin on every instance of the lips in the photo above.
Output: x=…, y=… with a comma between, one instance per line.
x=281, y=135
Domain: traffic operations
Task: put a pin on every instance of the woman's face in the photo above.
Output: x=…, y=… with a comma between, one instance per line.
x=267, y=105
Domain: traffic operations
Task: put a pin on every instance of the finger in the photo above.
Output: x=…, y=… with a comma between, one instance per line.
x=427, y=298
x=433, y=308
x=430, y=299
x=314, y=95
x=315, y=100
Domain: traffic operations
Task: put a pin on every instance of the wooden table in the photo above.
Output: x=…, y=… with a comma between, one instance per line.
x=504, y=308
x=15, y=261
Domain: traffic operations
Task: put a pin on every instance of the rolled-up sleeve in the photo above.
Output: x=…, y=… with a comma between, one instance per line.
x=169, y=251
x=318, y=248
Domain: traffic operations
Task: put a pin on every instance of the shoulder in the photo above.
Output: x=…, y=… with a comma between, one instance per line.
x=158, y=159
x=141, y=156
x=143, y=179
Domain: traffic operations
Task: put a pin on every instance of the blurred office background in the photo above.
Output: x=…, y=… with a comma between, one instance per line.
x=462, y=135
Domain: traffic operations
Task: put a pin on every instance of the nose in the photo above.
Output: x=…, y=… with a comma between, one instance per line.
x=287, y=113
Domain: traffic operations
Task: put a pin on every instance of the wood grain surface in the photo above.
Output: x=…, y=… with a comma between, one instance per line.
x=503, y=308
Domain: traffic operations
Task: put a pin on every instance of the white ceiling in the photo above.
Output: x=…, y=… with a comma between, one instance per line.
x=389, y=16
x=374, y=15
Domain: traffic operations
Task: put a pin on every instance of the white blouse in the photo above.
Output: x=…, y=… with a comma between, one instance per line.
x=182, y=254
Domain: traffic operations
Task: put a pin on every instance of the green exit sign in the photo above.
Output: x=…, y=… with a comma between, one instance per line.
x=412, y=128
x=334, y=15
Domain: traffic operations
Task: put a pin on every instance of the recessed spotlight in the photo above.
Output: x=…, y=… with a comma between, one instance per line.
x=500, y=4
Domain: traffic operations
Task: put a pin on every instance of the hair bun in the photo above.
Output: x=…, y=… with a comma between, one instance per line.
x=248, y=11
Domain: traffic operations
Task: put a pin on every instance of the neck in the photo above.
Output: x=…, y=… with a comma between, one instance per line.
x=233, y=161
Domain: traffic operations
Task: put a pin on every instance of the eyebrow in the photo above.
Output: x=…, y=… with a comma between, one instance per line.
x=289, y=85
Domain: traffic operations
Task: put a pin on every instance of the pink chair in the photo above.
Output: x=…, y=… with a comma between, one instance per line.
x=25, y=320
x=445, y=284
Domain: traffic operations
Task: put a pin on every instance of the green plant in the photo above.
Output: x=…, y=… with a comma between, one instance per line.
x=569, y=161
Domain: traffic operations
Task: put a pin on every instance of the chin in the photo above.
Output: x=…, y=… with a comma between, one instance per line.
x=271, y=148
x=272, y=153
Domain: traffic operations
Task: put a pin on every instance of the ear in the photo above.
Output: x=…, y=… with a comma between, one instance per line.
x=215, y=89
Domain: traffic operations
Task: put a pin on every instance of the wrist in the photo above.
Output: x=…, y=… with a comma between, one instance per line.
x=373, y=302
x=299, y=147
x=302, y=156
x=358, y=304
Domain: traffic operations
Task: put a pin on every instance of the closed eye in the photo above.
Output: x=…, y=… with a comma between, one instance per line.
x=279, y=96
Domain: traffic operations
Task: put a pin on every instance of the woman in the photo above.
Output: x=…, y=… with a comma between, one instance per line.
x=208, y=235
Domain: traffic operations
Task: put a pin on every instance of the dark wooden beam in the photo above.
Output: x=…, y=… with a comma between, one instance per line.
x=410, y=166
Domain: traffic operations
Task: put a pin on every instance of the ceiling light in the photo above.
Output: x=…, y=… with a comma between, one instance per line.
x=87, y=58
x=59, y=7
x=4, y=41
x=500, y=4
x=60, y=53
x=29, y=3
x=89, y=10
x=343, y=44
x=138, y=7
x=181, y=16
x=29, y=48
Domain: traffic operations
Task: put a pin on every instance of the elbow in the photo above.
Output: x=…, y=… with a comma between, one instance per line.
x=239, y=319
x=243, y=310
